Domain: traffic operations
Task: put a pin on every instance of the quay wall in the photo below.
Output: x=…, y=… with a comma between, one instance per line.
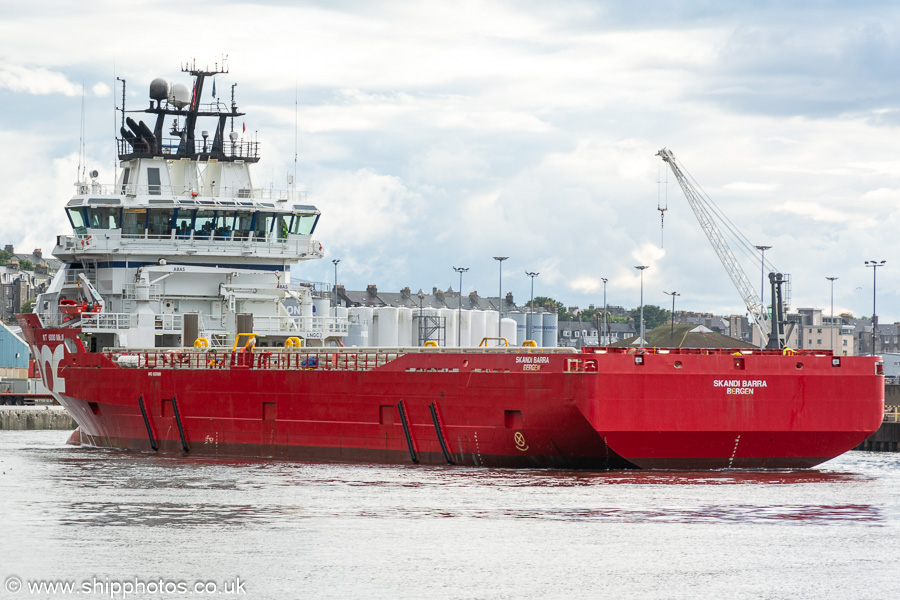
x=887, y=438
x=19, y=418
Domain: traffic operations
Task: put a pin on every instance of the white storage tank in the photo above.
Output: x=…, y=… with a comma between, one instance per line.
x=363, y=317
x=534, y=326
x=477, y=320
x=321, y=307
x=508, y=330
x=306, y=314
x=465, y=329
x=491, y=324
x=406, y=335
x=550, y=325
x=449, y=316
x=519, y=318
x=387, y=326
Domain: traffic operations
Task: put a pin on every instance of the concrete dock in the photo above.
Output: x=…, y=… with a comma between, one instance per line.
x=18, y=418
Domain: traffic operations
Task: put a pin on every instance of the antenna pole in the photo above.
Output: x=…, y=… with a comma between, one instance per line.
x=123, y=99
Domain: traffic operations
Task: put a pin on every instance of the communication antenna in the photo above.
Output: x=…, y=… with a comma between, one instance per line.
x=662, y=205
x=296, y=102
x=82, y=157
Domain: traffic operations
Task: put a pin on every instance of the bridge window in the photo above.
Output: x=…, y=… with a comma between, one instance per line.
x=243, y=221
x=134, y=221
x=304, y=224
x=161, y=221
x=76, y=217
x=184, y=222
x=224, y=224
x=203, y=224
x=103, y=218
x=264, y=223
x=282, y=226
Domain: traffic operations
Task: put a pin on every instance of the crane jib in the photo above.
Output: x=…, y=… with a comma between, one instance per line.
x=752, y=300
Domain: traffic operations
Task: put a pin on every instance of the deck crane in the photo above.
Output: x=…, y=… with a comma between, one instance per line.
x=754, y=304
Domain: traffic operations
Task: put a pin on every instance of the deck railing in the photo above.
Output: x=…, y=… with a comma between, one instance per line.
x=330, y=359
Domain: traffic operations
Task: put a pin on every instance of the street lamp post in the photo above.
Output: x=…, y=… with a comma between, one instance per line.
x=672, y=331
x=641, y=269
x=762, y=287
x=421, y=296
x=532, y=275
x=874, y=264
x=459, y=270
x=605, y=326
x=500, y=260
x=335, y=261
x=831, y=279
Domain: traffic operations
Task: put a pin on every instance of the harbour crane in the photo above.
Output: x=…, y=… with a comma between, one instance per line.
x=716, y=237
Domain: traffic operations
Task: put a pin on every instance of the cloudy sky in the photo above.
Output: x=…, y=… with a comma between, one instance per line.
x=440, y=134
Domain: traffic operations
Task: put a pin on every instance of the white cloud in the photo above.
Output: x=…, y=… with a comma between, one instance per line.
x=36, y=80
x=101, y=90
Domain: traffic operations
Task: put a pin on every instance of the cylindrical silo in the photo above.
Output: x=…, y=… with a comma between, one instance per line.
x=449, y=316
x=491, y=324
x=306, y=315
x=321, y=307
x=465, y=329
x=508, y=330
x=534, y=324
x=406, y=336
x=363, y=317
x=387, y=326
x=519, y=318
x=550, y=325
x=477, y=327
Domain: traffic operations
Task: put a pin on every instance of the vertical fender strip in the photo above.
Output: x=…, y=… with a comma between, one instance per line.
x=406, y=431
x=147, y=424
x=180, y=426
x=439, y=428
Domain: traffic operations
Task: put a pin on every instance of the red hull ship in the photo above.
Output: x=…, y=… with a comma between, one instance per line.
x=599, y=408
x=139, y=337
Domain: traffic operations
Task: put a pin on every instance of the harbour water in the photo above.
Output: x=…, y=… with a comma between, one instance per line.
x=122, y=525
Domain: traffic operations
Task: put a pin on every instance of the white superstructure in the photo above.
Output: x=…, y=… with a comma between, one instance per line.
x=184, y=232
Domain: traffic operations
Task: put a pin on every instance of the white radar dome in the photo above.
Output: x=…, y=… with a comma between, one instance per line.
x=180, y=96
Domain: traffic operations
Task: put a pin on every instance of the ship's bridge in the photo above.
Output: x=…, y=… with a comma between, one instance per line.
x=189, y=225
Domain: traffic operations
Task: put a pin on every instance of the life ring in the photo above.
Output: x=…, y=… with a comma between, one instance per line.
x=201, y=343
x=787, y=351
x=292, y=342
x=86, y=241
x=319, y=247
x=529, y=344
x=431, y=344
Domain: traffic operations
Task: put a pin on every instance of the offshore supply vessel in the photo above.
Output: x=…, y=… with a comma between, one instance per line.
x=174, y=327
